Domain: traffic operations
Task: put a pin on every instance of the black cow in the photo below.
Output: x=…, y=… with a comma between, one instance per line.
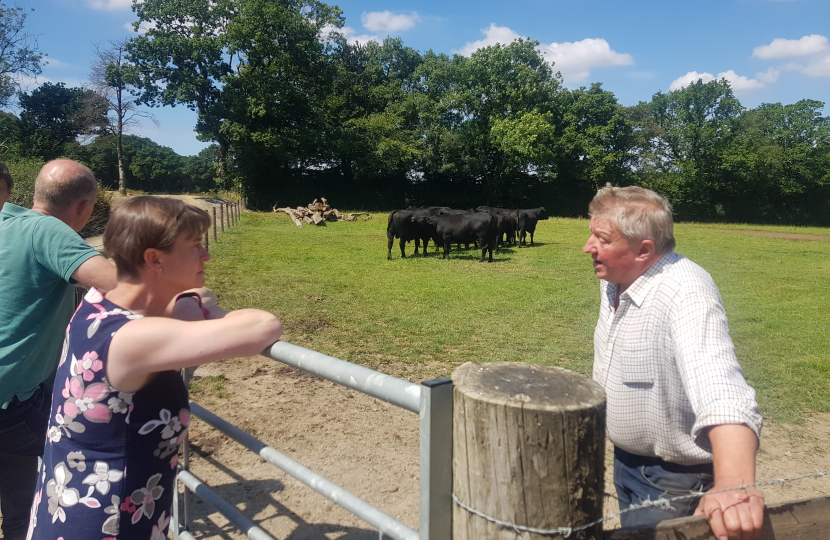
x=404, y=224
x=466, y=228
x=527, y=222
x=507, y=222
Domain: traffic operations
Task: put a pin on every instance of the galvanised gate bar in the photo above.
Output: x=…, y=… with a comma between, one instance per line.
x=432, y=400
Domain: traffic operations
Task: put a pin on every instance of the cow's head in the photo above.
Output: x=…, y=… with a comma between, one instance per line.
x=543, y=214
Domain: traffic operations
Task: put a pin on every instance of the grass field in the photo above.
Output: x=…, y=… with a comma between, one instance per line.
x=335, y=292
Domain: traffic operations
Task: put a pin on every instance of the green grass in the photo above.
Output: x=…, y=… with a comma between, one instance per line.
x=335, y=292
x=213, y=385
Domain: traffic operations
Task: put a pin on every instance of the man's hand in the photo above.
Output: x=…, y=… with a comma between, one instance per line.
x=736, y=514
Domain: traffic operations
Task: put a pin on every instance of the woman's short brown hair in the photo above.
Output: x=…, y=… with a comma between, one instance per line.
x=141, y=223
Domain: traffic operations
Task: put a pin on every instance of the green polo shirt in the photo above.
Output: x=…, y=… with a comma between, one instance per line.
x=38, y=255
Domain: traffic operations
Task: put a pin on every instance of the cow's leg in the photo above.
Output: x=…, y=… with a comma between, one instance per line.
x=446, y=248
x=390, y=242
x=531, y=238
x=403, y=245
x=426, y=243
x=417, y=245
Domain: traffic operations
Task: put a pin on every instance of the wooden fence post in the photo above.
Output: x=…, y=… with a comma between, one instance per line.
x=228, y=213
x=222, y=216
x=214, y=224
x=207, y=245
x=528, y=450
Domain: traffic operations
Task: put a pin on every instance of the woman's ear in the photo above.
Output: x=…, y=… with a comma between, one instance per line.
x=152, y=261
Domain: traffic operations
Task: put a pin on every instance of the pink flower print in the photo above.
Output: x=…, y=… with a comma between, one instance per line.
x=93, y=296
x=88, y=365
x=174, y=461
x=128, y=506
x=85, y=400
x=145, y=498
x=160, y=530
x=33, y=514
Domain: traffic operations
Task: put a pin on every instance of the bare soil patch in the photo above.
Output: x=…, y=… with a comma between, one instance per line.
x=770, y=234
x=370, y=448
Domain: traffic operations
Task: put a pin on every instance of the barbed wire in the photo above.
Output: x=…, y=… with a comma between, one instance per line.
x=661, y=503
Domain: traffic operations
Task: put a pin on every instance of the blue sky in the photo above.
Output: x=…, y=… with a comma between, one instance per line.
x=771, y=50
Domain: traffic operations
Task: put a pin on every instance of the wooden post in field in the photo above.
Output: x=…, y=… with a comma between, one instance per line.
x=228, y=213
x=214, y=224
x=207, y=245
x=222, y=216
x=528, y=450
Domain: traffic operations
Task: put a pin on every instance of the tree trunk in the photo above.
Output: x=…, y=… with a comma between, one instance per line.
x=528, y=450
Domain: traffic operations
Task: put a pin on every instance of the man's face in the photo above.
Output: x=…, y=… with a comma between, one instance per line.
x=614, y=258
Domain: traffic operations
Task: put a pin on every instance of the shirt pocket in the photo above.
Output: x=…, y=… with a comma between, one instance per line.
x=636, y=365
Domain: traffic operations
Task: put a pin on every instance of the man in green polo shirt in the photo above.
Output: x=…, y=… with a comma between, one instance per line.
x=41, y=258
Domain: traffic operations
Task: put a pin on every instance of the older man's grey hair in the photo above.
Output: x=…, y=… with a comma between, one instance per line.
x=62, y=183
x=639, y=214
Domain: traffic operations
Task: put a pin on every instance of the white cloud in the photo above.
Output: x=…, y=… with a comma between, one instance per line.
x=813, y=52
x=349, y=32
x=739, y=83
x=494, y=34
x=820, y=67
x=769, y=76
x=110, y=5
x=386, y=21
x=55, y=63
x=576, y=60
x=689, y=78
x=788, y=48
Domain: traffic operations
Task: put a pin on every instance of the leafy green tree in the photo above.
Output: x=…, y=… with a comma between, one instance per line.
x=682, y=137
x=595, y=146
x=53, y=116
x=779, y=165
x=249, y=68
x=19, y=54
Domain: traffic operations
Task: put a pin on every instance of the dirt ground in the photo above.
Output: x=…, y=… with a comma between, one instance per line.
x=370, y=448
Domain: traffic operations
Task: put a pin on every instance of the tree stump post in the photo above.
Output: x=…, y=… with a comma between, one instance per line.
x=528, y=450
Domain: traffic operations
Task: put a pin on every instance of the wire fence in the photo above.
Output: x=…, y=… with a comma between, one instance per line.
x=662, y=503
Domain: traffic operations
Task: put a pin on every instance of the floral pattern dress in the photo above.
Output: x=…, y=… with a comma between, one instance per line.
x=109, y=465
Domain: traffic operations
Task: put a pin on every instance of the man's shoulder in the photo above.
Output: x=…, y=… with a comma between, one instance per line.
x=684, y=275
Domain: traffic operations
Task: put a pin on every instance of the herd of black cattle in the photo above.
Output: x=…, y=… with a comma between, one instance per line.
x=486, y=226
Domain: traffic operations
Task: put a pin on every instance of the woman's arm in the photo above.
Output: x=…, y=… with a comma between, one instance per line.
x=152, y=344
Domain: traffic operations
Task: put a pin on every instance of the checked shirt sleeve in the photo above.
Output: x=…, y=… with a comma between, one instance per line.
x=705, y=356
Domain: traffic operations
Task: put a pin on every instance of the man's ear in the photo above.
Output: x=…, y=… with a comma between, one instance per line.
x=81, y=207
x=646, y=251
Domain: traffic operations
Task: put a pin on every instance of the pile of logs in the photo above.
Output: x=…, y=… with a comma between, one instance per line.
x=317, y=213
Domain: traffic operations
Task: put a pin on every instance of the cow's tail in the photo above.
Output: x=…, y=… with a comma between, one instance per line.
x=390, y=225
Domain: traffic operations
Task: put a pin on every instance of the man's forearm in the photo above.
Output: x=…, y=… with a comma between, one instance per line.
x=734, y=447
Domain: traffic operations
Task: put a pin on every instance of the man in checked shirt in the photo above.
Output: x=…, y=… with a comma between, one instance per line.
x=680, y=413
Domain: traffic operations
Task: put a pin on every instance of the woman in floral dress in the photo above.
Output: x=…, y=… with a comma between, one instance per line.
x=120, y=409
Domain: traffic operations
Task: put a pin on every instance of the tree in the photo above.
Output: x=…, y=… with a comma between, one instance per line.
x=19, y=54
x=253, y=70
x=682, y=137
x=116, y=81
x=52, y=116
